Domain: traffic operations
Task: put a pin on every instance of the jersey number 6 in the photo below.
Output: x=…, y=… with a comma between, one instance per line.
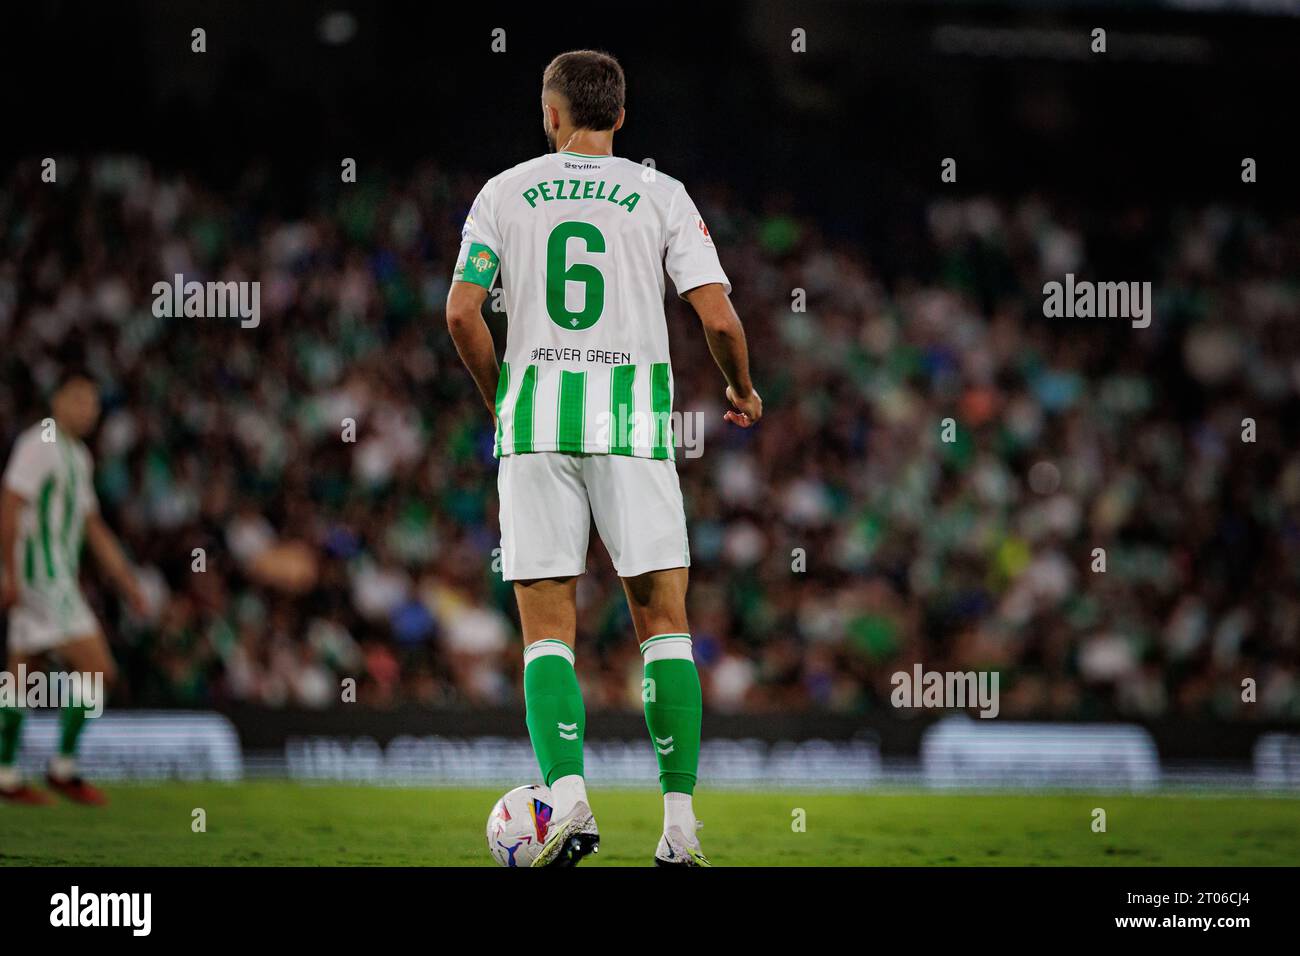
x=559, y=273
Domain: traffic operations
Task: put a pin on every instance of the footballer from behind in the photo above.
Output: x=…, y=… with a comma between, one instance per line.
x=48, y=508
x=580, y=241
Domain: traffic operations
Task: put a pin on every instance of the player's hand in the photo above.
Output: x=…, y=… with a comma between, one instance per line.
x=8, y=593
x=135, y=598
x=746, y=409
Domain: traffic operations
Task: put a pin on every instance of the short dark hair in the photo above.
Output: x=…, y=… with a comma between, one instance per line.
x=74, y=373
x=71, y=361
x=592, y=83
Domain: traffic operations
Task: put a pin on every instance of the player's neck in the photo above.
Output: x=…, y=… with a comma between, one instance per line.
x=586, y=142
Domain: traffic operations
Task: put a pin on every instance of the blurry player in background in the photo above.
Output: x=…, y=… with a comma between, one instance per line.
x=48, y=509
x=582, y=401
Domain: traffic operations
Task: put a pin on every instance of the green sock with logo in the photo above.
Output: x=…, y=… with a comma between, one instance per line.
x=673, y=709
x=556, y=716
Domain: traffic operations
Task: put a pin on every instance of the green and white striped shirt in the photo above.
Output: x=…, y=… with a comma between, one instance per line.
x=54, y=479
x=582, y=245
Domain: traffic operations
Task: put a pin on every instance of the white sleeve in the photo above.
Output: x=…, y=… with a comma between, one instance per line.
x=28, y=465
x=690, y=257
x=479, y=258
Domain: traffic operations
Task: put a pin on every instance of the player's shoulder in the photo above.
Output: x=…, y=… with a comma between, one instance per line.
x=525, y=171
x=33, y=434
x=653, y=181
x=30, y=445
x=651, y=173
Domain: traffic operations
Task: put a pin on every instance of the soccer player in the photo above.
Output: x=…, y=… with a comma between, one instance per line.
x=580, y=240
x=47, y=508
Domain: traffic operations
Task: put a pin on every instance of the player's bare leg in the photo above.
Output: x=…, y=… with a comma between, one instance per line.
x=657, y=602
x=86, y=655
x=556, y=716
x=548, y=608
x=673, y=704
x=12, y=786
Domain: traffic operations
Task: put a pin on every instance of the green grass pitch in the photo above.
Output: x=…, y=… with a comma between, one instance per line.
x=279, y=823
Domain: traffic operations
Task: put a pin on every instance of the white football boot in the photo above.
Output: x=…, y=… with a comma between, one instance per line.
x=676, y=849
x=570, y=839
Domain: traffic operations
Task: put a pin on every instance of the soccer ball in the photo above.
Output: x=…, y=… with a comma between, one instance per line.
x=517, y=825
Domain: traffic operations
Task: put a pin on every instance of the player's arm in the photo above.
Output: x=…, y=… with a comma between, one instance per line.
x=11, y=506
x=108, y=552
x=473, y=339
x=726, y=338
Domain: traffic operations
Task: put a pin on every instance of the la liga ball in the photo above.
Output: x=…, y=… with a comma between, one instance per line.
x=517, y=825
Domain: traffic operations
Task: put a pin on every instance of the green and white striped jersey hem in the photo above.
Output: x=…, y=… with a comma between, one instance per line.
x=617, y=410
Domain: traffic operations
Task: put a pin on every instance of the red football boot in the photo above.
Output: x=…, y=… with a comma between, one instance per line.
x=27, y=795
x=77, y=790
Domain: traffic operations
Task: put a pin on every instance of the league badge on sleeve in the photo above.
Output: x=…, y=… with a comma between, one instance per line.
x=704, y=230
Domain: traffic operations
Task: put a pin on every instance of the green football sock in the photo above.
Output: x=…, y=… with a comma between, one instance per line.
x=673, y=709
x=71, y=720
x=556, y=717
x=11, y=725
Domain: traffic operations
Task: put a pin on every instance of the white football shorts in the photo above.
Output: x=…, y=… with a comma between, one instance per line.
x=47, y=618
x=548, y=501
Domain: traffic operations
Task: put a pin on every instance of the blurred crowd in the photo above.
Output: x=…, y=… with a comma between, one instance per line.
x=1107, y=515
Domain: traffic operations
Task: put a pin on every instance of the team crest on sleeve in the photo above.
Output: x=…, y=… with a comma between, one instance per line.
x=704, y=230
x=480, y=265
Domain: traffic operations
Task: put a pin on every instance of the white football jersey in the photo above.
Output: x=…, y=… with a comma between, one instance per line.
x=54, y=478
x=581, y=244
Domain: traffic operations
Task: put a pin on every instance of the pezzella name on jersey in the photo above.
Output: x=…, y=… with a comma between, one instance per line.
x=579, y=189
